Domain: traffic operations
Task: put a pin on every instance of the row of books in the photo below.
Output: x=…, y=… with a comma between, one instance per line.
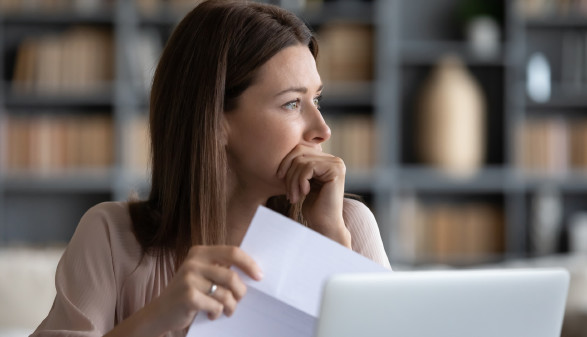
x=79, y=60
x=552, y=146
x=346, y=52
x=56, y=143
x=544, y=8
x=137, y=151
x=352, y=139
x=448, y=233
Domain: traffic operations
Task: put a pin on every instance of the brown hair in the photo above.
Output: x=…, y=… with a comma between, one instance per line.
x=212, y=56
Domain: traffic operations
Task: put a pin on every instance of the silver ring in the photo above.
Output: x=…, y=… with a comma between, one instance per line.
x=212, y=290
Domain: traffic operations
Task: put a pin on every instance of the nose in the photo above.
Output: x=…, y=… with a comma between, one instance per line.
x=317, y=130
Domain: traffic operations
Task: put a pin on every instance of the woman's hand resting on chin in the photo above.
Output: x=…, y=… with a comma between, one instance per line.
x=319, y=177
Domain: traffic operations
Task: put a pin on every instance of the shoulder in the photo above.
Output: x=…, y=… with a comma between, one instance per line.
x=356, y=212
x=108, y=219
x=365, y=236
x=108, y=212
x=105, y=230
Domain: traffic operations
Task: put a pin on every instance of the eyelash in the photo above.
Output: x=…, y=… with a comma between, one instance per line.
x=316, y=100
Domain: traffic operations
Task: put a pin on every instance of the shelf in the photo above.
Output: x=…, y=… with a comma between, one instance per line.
x=557, y=22
x=165, y=16
x=563, y=96
x=67, y=17
x=348, y=11
x=77, y=181
x=422, y=53
x=360, y=180
x=103, y=98
x=456, y=261
x=569, y=182
x=356, y=179
x=493, y=179
x=335, y=95
x=348, y=94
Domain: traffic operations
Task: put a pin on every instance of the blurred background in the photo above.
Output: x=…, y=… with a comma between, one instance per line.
x=463, y=124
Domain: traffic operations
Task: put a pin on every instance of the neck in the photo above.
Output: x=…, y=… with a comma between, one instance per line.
x=240, y=212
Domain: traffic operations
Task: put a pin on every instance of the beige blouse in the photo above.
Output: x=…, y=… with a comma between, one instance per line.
x=103, y=277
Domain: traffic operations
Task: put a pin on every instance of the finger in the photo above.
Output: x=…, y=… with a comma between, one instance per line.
x=227, y=299
x=198, y=283
x=298, y=176
x=193, y=272
x=228, y=256
x=226, y=278
x=202, y=302
x=286, y=163
x=306, y=174
x=291, y=178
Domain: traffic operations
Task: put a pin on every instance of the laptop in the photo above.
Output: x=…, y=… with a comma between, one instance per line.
x=479, y=303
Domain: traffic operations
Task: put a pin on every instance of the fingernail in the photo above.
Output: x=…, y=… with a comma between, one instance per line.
x=258, y=275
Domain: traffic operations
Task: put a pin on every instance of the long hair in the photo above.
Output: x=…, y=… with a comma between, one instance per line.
x=212, y=56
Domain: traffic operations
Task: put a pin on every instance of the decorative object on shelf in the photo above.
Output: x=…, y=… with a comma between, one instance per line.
x=538, y=78
x=480, y=21
x=483, y=37
x=578, y=233
x=546, y=216
x=451, y=119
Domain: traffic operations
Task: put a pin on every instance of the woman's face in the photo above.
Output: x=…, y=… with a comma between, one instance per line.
x=275, y=114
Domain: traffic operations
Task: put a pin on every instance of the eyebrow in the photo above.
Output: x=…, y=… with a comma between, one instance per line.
x=302, y=90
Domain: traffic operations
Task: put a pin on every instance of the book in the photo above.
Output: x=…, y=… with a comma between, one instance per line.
x=346, y=52
x=449, y=233
x=77, y=61
x=46, y=143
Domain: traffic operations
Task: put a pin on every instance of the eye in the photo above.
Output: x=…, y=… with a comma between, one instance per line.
x=293, y=105
x=316, y=101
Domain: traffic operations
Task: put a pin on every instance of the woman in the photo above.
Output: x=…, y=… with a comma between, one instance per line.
x=234, y=124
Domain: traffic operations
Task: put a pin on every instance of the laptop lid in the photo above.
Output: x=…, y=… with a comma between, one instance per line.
x=480, y=303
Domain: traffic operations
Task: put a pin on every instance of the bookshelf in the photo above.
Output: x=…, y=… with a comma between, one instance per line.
x=404, y=40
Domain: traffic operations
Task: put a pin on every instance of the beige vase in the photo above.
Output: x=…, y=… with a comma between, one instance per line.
x=451, y=118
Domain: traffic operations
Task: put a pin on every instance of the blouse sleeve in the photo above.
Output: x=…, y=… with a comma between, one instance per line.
x=85, y=282
x=365, y=236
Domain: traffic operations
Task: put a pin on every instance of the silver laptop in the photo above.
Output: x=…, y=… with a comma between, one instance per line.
x=480, y=303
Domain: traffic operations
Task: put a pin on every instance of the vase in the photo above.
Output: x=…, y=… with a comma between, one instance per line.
x=451, y=119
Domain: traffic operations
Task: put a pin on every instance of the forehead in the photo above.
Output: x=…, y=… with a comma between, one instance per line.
x=291, y=67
